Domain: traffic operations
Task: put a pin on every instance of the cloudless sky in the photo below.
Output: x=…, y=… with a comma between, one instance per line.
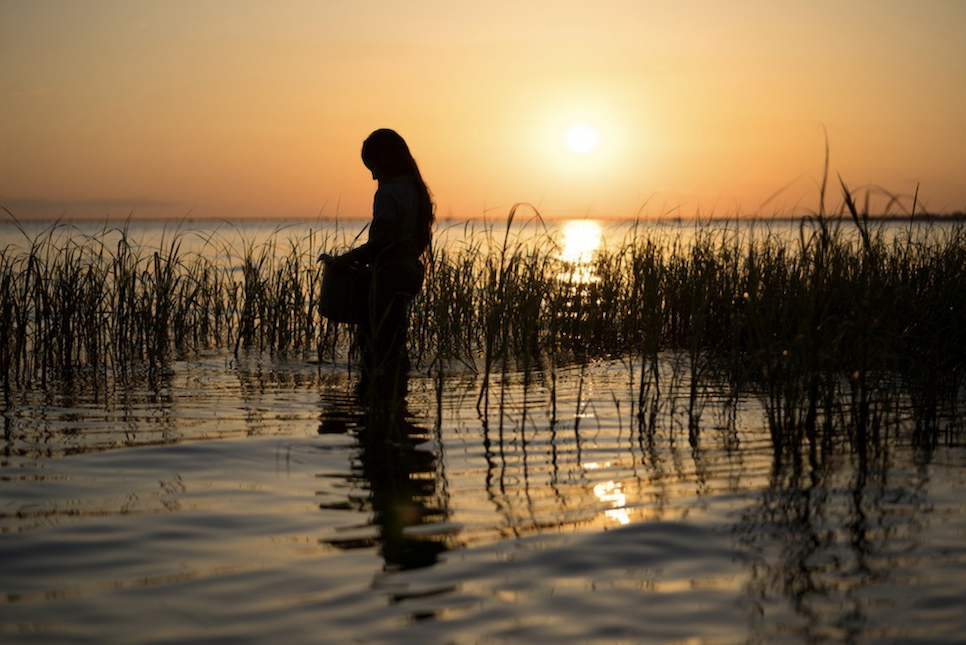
x=243, y=108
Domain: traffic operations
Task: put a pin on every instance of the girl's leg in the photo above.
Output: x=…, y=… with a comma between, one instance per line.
x=385, y=358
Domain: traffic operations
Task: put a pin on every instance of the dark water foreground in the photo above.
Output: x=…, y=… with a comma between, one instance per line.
x=256, y=502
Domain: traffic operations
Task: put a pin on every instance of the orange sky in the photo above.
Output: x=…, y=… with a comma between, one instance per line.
x=238, y=108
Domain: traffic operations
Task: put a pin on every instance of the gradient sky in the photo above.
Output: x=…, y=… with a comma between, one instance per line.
x=235, y=108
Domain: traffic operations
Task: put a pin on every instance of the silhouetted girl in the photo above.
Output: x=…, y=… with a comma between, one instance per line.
x=400, y=234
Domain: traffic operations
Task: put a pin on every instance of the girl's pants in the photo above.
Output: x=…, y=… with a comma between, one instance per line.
x=382, y=338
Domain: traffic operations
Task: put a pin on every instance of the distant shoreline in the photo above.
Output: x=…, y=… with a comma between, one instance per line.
x=919, y=217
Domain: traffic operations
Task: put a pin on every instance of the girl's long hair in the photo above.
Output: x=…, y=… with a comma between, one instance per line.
x=387, y=150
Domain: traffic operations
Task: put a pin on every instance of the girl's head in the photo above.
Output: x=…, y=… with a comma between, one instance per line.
x=386, y=154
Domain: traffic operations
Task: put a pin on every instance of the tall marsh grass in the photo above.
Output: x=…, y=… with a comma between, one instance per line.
x=838, y=325
x=89, y=306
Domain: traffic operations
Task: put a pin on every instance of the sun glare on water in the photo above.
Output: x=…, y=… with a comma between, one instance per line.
x=581, y=237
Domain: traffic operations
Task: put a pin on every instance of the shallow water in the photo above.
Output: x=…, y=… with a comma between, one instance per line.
x=253, y=500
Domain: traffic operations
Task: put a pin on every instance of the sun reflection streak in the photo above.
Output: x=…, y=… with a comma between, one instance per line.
x=581, y=239
x=611, y=492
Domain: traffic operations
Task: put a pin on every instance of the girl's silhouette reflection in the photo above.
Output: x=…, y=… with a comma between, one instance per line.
x=402, y=480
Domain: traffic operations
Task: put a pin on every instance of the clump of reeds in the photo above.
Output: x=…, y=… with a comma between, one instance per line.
x=75, y=305
x=841, y=325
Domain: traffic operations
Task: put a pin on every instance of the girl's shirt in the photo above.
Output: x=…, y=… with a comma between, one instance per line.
x=392, y=234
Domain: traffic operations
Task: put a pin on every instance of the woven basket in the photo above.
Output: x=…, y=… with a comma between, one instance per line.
x=345, y=294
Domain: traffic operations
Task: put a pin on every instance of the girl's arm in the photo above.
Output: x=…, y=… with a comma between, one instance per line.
x=382, y=233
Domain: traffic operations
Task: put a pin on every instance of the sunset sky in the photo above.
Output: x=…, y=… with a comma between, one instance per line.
x=234, y=108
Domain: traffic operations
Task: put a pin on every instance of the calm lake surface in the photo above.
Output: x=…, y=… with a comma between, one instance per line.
x=251, y=499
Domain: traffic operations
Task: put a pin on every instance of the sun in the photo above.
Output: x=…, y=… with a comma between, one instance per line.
x=581, y=138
